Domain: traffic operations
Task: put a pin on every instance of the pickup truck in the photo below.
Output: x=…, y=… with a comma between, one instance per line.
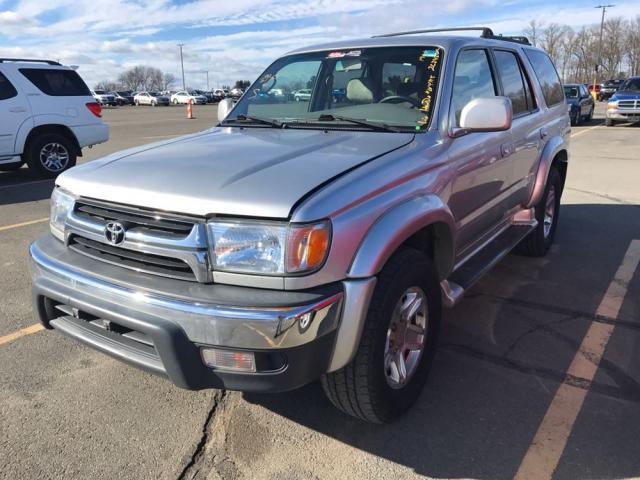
x=624, y=105
x=315, y=240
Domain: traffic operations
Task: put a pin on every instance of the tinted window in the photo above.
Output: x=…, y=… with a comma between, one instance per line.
x=514, y=82
x=473, y=79
x=57, y=83
x=547, y=76
x=6, y=89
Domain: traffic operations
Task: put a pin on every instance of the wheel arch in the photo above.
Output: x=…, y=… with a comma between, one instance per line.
x=53, y=128
x=555, y=153
x=424, y=223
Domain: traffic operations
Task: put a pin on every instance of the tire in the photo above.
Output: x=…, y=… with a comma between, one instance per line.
x=154, y=104
x=10, y=167
x=609, y=123
x=175, y=101
x=363, y=388
x=590, y=116
x=38, y=150
x=136, y=103
x=538, y=242
x=575, y=118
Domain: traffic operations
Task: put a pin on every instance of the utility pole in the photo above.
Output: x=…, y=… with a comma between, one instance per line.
x=207, y=72
x=594, y=94
x=184, y=85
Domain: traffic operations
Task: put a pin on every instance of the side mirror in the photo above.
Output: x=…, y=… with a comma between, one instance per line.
x=224, y=107
x=487, y=114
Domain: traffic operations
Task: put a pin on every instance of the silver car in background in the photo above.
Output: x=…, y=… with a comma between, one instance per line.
x=150, y=98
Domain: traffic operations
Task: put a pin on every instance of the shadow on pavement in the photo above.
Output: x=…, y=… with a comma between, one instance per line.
x=503, y=353
x=22, y=186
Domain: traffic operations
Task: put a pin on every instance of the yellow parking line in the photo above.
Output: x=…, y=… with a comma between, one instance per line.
x=23, y=224
x=21, y=333
x=551, y=438
x=585, y=131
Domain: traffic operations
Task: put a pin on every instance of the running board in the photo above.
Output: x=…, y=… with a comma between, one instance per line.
x=473, y=269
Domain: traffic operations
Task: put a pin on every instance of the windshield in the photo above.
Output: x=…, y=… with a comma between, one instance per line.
x=389, y=86
x=631, y=84
x=571, y=92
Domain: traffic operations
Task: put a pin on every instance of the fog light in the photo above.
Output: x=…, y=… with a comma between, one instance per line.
x=229, y=360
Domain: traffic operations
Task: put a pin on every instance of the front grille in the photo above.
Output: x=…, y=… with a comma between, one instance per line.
x=146, y=220
x=628, y=104
x=139, y=261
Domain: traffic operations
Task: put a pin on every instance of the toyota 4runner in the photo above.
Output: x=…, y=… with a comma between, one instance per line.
x=298, y=241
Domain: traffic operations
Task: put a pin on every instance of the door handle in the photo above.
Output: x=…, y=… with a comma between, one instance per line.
x=506, y=149
x=544, y=133
x=17, y=109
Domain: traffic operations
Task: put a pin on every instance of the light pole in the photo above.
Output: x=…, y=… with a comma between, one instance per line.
x=207, y=72
x=594, y=94
x=184, y=85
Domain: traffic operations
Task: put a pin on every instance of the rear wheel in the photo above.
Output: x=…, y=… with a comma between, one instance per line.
x=588, y=117
x=538, y=242
x=397, y=346
x=50, y=154
x=575, y=118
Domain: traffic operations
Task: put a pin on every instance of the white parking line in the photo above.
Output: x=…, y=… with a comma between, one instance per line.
x=551, y=438
x=23, y=224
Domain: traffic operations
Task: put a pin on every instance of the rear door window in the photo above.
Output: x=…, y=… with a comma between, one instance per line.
x=547, y=76
x=515, y=84
x=57, y=83
x=6, y=89
x=473, y=79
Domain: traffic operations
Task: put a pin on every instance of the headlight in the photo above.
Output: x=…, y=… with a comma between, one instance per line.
x=61, y=205
x=268, y=248
x=612, y=105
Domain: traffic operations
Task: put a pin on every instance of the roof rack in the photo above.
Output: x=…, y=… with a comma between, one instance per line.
x=33, y=60
x=486, y=33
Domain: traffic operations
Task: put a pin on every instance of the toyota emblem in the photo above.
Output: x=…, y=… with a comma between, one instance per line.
x=114, y=233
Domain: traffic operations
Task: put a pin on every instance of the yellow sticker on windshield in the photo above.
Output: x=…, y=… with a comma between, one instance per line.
x=433, y=69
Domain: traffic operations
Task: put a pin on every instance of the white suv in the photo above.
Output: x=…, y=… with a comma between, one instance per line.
x=47, y=115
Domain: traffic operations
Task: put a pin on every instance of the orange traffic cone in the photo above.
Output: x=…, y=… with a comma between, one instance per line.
x=189, y=110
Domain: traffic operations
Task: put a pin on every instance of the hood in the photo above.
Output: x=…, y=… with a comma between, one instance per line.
x=626, y=95
x=261, y=172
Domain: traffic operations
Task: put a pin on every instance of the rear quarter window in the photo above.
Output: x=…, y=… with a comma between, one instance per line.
x=6, y=89
x=547, y=76
x=57, y=83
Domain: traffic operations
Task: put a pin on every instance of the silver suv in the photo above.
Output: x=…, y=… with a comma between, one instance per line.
x=299, y=241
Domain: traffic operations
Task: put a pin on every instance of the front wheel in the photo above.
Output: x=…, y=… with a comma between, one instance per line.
x=397, y=345
x=547, y=212
x=50, y=154
x=609, y=123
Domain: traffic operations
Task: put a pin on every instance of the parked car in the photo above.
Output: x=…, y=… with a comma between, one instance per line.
x=150, y=98
x=591, y=88
x=581, y=104
x=236, y=93
x=624, y=105
x=303, y=95
x=324, y=250
x=123, y=98
x=609, y=88
x=218, y=94
x=104, y=98
x=184, y=97
x=47, y=116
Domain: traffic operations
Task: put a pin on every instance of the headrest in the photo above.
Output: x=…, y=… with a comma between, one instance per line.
x=358, y=91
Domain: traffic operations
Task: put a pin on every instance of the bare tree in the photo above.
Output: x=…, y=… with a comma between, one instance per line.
x=532, y=31
x=107, y=85
x=168, y=80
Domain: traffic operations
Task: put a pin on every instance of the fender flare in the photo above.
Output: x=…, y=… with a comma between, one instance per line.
x=55, y=121
x=551, y=149
x=397, y=225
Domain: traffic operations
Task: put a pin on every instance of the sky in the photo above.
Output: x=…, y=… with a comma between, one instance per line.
x=236, y=39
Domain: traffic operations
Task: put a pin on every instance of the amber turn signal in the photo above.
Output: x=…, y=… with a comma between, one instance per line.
x=308, y=246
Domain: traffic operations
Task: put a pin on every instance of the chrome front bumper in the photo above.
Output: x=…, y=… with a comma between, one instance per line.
x=624, y=114
x=181, y=317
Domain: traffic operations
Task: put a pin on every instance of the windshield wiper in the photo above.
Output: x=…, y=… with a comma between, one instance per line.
x=382, y=127
x=250, y=118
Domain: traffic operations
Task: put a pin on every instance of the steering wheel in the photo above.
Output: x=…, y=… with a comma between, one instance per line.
x=401, y=99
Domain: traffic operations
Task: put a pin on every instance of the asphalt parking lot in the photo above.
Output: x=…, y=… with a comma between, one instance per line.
x=516, y=388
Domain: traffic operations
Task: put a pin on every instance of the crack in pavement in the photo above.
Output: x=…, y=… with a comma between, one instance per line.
x=192, y=468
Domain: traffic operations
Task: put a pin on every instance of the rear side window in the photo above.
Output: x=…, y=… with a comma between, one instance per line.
x=514, y=82
x=547, y=76
x=57, y=83
x=6, y=89
x=473, y=79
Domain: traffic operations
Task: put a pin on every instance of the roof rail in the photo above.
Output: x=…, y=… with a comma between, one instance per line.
x=486, y=33
x=49, y=62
